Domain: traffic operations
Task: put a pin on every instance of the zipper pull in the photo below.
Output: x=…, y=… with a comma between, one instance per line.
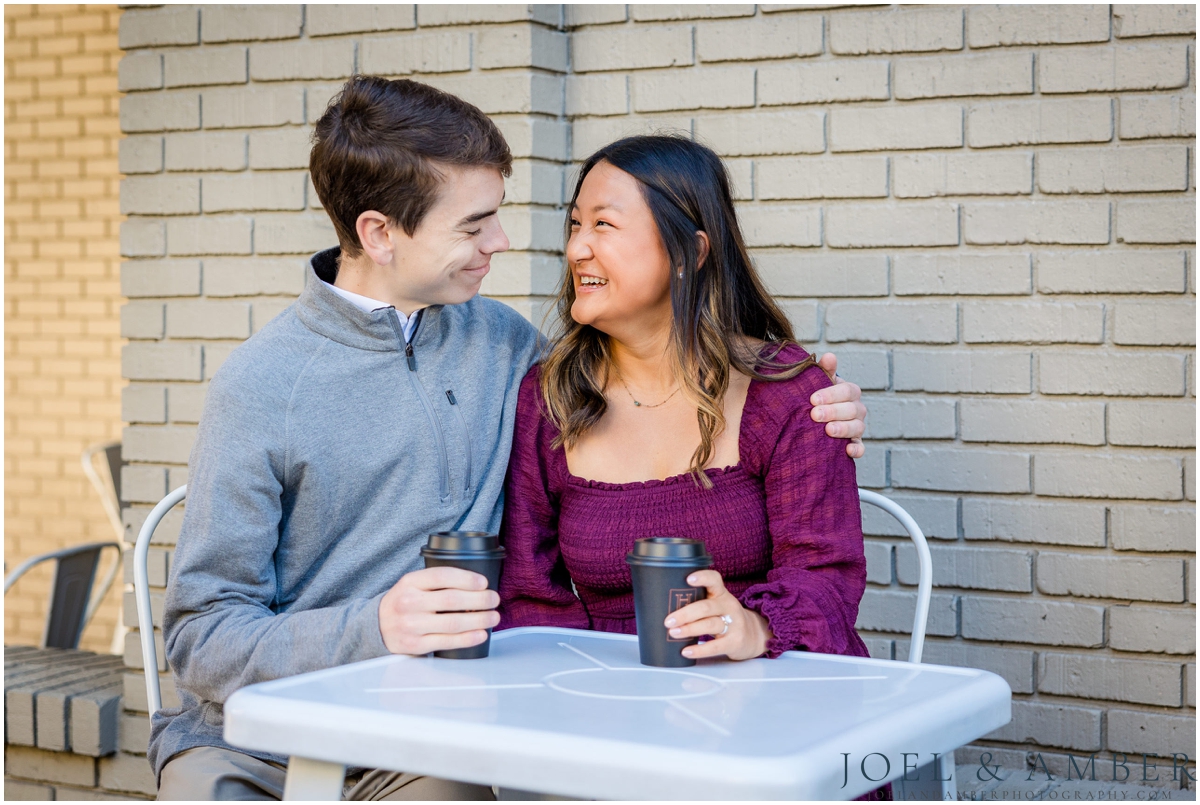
x=412, y=359
x=450, y=397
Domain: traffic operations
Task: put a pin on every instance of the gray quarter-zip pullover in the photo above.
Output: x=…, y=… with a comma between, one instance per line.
x=329, y=448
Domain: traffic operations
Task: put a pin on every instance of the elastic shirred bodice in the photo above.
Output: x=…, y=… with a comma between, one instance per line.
x=598, y=523
x=783, y=525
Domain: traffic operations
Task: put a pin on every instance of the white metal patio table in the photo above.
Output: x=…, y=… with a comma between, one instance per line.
x=573, y=713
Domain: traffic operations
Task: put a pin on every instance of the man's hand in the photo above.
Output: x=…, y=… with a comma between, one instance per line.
x=840, y=407
x=435, y=609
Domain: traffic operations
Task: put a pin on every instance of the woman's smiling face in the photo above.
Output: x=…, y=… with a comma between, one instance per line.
x=617, y=259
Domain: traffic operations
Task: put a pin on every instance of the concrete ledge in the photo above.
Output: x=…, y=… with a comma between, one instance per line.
x=28, y=791
x=62, y=700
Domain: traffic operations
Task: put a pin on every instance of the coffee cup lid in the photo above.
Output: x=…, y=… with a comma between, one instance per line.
x=463, y=542
x=669, y=549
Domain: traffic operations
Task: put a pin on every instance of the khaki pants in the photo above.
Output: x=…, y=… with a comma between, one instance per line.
x=212, y=773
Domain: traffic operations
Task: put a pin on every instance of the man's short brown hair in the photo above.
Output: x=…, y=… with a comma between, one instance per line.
x=379, y=144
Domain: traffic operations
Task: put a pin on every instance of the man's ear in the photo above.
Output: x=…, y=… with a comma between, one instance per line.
x=702, y=247
x=373, y=229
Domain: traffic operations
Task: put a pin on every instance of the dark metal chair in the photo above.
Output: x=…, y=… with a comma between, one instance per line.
x=71, y=602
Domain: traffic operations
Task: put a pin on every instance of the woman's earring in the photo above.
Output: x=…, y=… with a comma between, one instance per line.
x=680, y=275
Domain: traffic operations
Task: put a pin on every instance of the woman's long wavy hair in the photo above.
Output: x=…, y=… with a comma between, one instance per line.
x=718, y=308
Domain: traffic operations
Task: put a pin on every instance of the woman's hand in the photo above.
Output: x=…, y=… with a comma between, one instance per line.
x=739, y=633
x=840, y=407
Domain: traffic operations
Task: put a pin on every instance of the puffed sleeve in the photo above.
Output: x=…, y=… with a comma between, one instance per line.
x=818, y=574
x=535, y=589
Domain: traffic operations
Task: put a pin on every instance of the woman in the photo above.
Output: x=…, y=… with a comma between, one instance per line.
x=676, y=403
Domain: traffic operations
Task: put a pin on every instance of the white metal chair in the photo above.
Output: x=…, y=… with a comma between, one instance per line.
x=936, y=781
x=107, y=482
x=925, y=584
x=141, y=594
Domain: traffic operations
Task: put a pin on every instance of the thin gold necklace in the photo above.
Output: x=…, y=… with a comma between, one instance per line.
x=637, y=404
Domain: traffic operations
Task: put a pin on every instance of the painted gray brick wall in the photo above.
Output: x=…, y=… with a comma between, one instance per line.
x=988, y=212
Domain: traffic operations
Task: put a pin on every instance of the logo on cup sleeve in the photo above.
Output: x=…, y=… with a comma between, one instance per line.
x=678, y=599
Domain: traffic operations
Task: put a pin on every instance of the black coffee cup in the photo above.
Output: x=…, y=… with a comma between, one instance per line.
x=660, y=567
x=476, y=551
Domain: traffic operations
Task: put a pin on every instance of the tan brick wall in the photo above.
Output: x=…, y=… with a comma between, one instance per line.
x=62, y=296
x=987, y=211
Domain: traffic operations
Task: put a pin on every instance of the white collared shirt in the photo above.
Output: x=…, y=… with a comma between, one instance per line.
x=369, y=305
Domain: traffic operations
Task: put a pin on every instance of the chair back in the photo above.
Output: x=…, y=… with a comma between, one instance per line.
x=106, y=479
x=69, y=610
x=107, y=482
x=112, y=457
x=69, y=595
x=146, y=621
x=141, y=594
x=925, y=584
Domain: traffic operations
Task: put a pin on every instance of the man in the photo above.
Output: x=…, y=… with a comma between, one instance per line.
x=376, y=410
